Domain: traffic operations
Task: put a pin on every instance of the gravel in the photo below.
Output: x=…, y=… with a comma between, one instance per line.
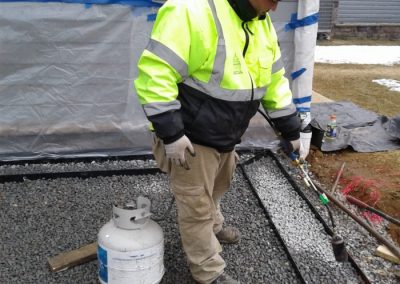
x=303, y=234
x=42, y=218
x=53, y=167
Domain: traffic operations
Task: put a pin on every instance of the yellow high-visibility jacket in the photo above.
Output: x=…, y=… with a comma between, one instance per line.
x=205, y=72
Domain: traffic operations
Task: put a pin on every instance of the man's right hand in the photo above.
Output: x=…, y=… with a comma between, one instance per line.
x=175, y=151
x=290, y=147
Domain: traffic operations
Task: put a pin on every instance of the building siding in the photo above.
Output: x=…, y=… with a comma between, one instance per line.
x=325, y=15
x=368, y=12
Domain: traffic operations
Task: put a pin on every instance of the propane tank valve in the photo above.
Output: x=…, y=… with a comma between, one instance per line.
x=133, y=215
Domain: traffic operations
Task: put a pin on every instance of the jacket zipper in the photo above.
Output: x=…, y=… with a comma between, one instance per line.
x=247, y=31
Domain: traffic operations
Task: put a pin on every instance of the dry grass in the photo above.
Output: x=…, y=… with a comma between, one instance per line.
x=351, y=82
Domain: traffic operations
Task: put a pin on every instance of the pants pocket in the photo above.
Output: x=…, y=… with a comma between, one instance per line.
x=189, y=190
x=159, y=155
x=193, y=203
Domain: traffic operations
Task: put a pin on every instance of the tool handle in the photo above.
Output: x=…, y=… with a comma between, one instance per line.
x=394, y=249
x=339, y=174
x=357, y=202
x=361, y=204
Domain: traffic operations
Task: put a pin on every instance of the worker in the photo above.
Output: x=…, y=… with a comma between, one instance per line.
x=207, y=68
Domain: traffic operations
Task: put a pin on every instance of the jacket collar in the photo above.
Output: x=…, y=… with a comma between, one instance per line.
x=244, y=10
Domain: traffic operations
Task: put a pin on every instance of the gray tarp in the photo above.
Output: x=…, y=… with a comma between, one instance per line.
x=363, y=130
x=66, y=79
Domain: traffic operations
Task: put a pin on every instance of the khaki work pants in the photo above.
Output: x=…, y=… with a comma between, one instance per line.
x=198, y=192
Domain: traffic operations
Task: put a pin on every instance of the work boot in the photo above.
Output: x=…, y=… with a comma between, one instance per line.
x=225, y=279
x=228, y=235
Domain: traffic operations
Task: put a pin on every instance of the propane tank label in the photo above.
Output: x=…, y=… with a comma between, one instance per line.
x=140, y=266
x=102, y=257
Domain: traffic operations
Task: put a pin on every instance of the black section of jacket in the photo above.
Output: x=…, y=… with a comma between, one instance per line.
x=213, y=122
x=289, y=126
x=168, y=125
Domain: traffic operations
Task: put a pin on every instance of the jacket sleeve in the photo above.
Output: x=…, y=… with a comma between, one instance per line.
x=162, y=66
x=277, y=101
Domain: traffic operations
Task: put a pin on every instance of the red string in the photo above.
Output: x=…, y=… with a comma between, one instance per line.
x=372, y=217
x=367, y=188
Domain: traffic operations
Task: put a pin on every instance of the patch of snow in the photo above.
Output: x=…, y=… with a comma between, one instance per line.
x=358, y=54
x=393, y=85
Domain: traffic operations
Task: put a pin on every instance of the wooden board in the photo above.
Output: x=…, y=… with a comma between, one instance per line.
x=69, y=259
x=385, y=253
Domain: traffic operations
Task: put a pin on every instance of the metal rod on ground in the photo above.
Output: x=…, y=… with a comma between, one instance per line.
x=338, y=246
x=372, y=231
x=361, y=204
x=339, y=174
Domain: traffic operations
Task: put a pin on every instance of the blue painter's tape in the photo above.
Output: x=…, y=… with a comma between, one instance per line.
x=297, y=73
x=296, y=23
x=136, y=3
x=103, y=266
x=303, y=109
x=302, y=100
x=151, y=17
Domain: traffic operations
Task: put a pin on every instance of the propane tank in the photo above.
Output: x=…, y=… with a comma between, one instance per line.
x=131, y=246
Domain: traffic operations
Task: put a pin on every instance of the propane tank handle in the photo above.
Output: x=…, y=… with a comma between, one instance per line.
x=130, y=218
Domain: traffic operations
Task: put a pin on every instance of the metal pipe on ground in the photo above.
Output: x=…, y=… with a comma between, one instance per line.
x=363, y=205
x=372, y=231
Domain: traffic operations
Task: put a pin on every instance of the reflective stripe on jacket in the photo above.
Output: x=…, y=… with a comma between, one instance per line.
x=205, y=72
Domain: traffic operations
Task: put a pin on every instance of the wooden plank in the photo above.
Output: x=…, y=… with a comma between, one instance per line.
x=385, y=253
x=71, y=258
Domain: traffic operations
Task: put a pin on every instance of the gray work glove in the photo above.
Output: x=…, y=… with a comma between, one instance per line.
x=175, y=151
x=305, y=135
x=297, y=148
x=305, y=142
x=296, y=145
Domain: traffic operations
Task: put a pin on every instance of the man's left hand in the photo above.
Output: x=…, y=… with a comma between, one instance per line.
x=305, y=134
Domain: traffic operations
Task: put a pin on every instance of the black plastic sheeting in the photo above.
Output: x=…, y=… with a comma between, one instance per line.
x=363, y=130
